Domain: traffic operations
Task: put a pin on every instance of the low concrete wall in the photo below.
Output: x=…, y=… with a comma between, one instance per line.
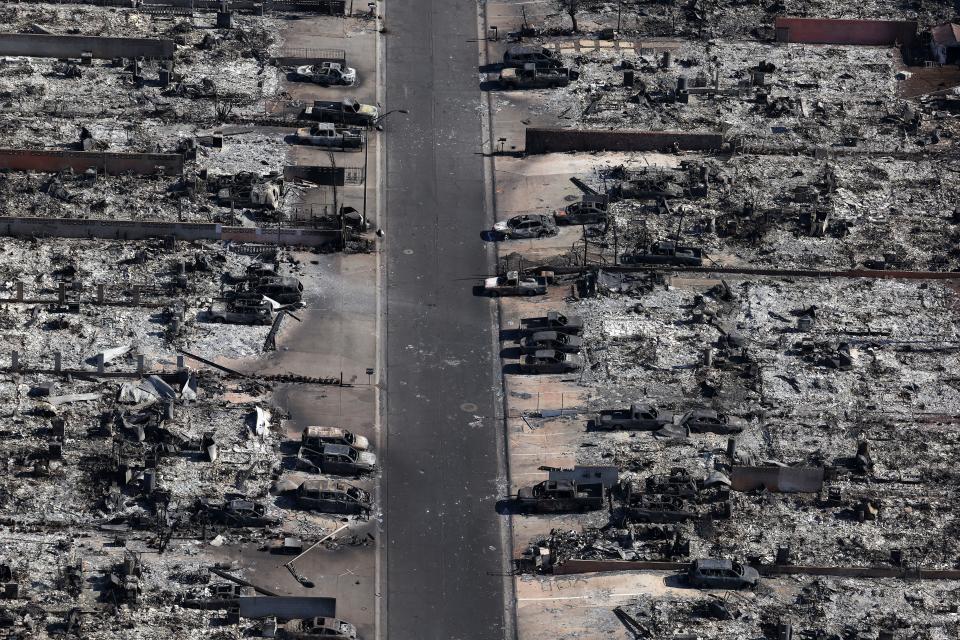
x=863, y=32
x=140, y=230
x=325, y=7
x=51, y=46
x=605, y=566
x=294, y=237
x=546, y=140
x=79, y=161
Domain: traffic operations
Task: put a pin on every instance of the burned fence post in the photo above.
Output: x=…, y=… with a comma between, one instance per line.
x=57, y=361
x=100, y=292
x=15, y=360
x=19, y=292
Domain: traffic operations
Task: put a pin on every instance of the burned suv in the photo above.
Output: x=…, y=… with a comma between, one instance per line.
x=518, y=56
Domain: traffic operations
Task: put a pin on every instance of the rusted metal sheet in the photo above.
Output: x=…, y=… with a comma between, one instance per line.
x=779, y=479
x=830, y=31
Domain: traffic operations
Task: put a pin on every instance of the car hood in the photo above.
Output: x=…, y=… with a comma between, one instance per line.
x=360, y=442
x=525, y=492
x=750, y=574
x=349, y=73
x=367, y=458
x=501, y=226
x=369, y=110
x=490, y=283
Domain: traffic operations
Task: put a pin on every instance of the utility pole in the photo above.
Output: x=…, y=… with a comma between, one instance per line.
x=333, y=183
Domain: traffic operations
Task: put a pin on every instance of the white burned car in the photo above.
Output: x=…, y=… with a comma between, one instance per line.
x=315, y=437
x=328, y=73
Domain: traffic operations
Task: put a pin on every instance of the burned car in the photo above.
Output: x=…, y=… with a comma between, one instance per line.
x=551, y=340
x=241, y=311
x=234, y=513
x=332, y=496
x=641, y=417
x=327, y=74
x=315, y=437
x=346, y=111
x=339, y=459
x=553, y=321
x=709, y=421
x=710, y=573
x=550, y=361
x=560, y=496
x=589, y=210
x=531, y=225
x=282, y=290
x=319, y=628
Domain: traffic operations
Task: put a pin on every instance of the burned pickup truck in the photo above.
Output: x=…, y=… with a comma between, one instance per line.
x=560, y=496
x=554, y=340
x=545, y=361
x=513, y=284
x=553, y=321
x=327, y=134
x=638, y=417
x=666, y=252
x=529, y=76
x=346, y=111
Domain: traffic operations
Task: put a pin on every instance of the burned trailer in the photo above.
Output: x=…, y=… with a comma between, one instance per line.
x=560, y=496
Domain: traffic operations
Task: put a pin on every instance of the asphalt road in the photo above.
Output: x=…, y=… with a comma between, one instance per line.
x=442, y=563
